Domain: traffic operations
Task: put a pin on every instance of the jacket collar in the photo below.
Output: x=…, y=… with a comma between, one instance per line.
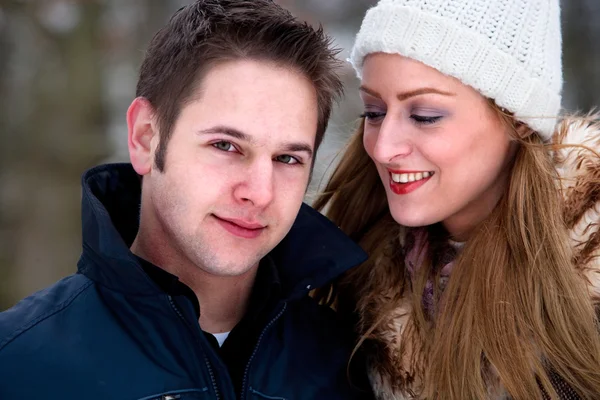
x=579, y=169
x=313, y=253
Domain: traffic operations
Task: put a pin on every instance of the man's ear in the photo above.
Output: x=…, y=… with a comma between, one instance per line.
x=142, y=135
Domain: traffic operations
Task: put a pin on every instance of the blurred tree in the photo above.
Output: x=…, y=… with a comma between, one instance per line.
x=69, y=69
x=51, y=130
x=581, y=54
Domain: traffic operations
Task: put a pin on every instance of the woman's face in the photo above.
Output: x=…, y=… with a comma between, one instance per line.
x=442, y=152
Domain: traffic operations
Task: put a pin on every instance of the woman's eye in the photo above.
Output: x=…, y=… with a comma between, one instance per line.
x=287, y=159
x=372, y=115
x=425, y=120
x=224, y=146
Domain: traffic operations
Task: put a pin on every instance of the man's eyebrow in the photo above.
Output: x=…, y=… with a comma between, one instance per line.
x=237, y=134
x=305, y=147
x=229, y=131
x=409, y=94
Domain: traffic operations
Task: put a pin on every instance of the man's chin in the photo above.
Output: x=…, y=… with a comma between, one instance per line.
x=232, y=269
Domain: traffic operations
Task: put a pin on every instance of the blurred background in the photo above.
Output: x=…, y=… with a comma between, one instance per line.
x=68, y=71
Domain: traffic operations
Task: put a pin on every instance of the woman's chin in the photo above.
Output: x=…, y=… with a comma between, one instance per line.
x=412, y=219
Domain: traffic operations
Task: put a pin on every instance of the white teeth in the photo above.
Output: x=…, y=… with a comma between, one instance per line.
x=412, y=177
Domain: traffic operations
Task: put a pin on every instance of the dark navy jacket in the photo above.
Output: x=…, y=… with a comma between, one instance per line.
x=109, y=332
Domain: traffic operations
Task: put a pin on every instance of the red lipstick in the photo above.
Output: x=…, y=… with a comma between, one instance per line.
x=409, y=187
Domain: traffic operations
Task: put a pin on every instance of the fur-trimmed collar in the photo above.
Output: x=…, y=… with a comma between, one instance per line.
x=579, y=170
x=390, y=367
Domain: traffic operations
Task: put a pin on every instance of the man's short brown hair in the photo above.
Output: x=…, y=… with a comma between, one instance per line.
x=208, y=32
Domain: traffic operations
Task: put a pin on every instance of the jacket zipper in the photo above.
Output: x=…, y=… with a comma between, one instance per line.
x=210, y=370
x=262, y=334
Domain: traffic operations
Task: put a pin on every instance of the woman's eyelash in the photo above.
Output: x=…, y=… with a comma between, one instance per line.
x=425, y=120
x=371, y=115
x=419, y=119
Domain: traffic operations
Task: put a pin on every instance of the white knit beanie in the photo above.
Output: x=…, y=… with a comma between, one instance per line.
x=509, y=50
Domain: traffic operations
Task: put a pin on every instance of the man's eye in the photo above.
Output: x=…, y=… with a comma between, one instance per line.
x=287, y=159
x=224, y=145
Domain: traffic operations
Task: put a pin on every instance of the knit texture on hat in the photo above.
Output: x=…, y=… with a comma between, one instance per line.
x=509, y=50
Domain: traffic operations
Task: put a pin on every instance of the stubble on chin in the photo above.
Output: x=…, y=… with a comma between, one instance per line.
x=220, y=260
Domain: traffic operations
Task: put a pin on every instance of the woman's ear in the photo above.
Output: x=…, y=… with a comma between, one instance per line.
x=141, y=131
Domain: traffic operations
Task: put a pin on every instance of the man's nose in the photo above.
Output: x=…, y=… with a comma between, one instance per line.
x=257, y=184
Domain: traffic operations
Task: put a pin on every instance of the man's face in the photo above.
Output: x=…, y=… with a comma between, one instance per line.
x=237, y=167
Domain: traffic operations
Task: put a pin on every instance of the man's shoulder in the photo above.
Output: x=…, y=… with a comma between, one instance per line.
x=30, y=315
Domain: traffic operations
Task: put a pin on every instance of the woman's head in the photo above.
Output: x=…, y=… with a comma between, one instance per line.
x=441, y=149
x=508, y=50
x=433, y=76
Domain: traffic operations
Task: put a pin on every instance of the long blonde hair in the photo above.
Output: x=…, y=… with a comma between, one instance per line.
x=514, y=303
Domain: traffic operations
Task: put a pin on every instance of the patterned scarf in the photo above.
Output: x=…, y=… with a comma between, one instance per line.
x=417, y=248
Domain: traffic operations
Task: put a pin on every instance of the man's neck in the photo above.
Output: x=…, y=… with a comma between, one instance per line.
x=223, y=299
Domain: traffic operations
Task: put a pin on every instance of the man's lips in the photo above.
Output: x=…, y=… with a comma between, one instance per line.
x=242, y=228
x=244, y=224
